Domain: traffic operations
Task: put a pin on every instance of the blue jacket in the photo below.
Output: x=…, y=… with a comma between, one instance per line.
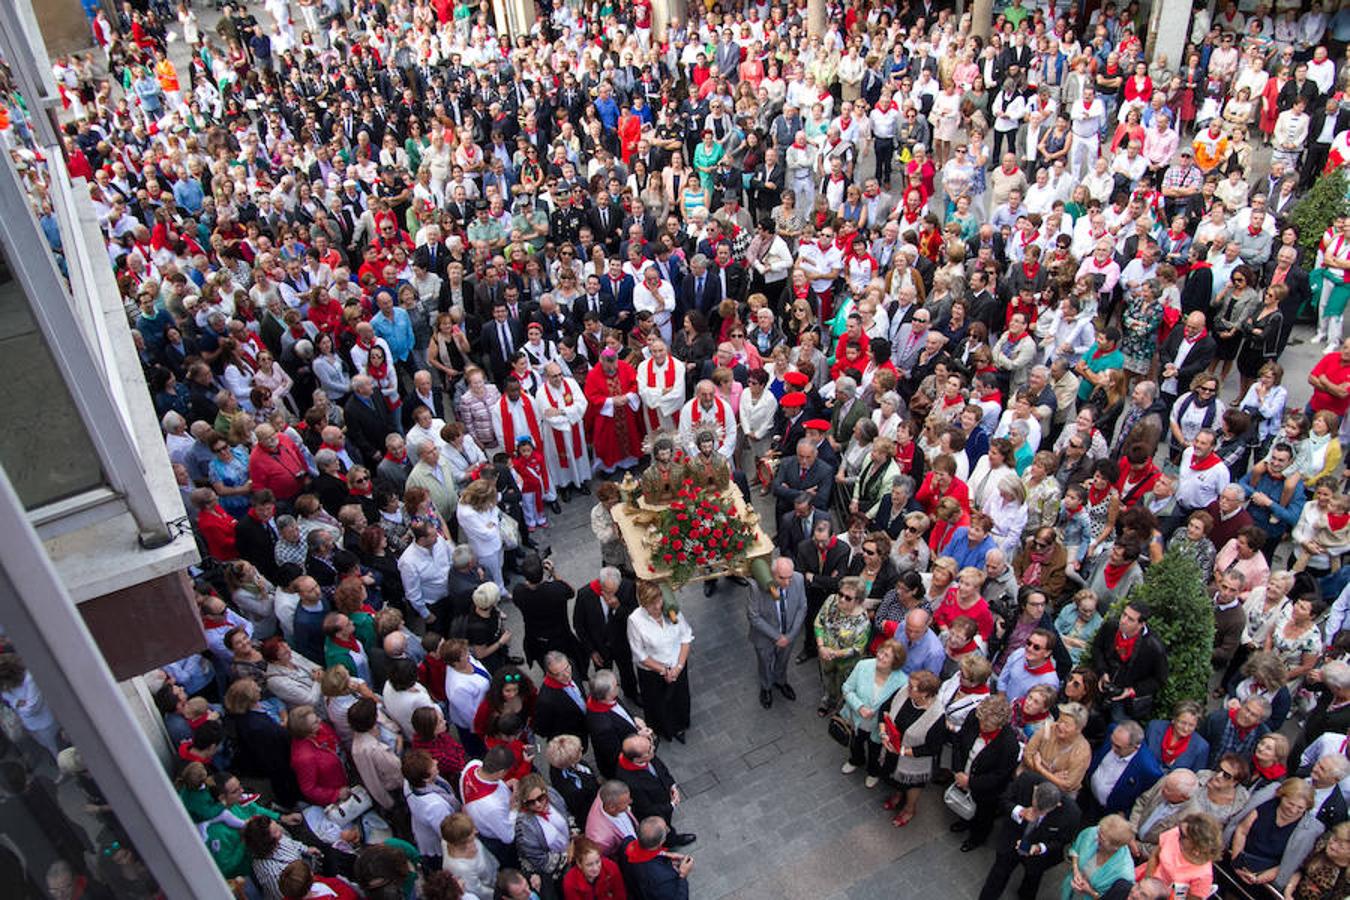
x=1140, y=775
x=1195, y=757
x=1275, y=520
x=965, y=553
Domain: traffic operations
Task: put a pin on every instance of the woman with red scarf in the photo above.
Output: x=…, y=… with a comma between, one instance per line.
x=1175, y=742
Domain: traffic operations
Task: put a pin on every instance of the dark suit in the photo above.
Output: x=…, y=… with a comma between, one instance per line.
x=1142, y=772
x=608, y=730
x=825, y=568
x=433, y=259
x=605, y=309
x=621, y=299
x=1300, y=293
x=436, y=404
x=736, y=280
x=650, y=788
x=990, y=771
x=368, y=424
x=557, y=713
x=793, y=530
x=606, y=227
x=690, y=298
x=1201, y=355
x=1055, y=830
x=256, y=543
x=495, y=352
x=1145, y=670
x=791, y=479
x=607, y=635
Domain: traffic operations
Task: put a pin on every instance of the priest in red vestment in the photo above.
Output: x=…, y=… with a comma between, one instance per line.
x=612, y=421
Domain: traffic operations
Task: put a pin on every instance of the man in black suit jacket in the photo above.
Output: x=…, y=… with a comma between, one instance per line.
x=619, y=288
x=1131, y=683
x=699, y=290
x=255, y=535
x=731, y=275
x=600, y=620
x=1320, y=136
x=822, y=561
x=796, y=525
x=1198, y=357
x=368, y=418
x=560, y=707
x=606, y=221
x=501, y=337
x=650, y=783
x=608, y=721
x=1042, y=824
x=988, y=236
x=1284, y=269
x=802, y=473
x=984, y=305
x=423, y=394
x=432, y=255
x=594, y=301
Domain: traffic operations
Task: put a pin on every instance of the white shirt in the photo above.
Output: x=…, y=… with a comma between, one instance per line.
x=402, y=704
x=818, y=260
x=757, y=416
x=657, y=639
x=464, y=691
x=709, y=418
x=1108, y=773
x=425, y=571
x=1198, y=489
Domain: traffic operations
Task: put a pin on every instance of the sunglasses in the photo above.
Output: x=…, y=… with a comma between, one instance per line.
x=538, y=798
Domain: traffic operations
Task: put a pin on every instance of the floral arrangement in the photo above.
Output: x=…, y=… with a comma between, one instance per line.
x=701, y=530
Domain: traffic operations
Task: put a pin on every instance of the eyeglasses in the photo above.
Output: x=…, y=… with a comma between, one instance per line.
x=1226, y=775
x=871, y=552
x=359, y=480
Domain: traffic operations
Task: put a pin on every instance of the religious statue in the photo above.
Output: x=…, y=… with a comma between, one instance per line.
x=663, y=477
x=707, y=467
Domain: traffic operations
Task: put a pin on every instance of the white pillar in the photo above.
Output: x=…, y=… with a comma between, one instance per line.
x=665, y=14
x=1168, y=26
x=982, y=18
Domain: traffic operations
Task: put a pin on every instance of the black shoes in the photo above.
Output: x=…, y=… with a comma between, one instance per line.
x=710, y=587
x=969, y=845
x=556, y=507
x=680, y=840
x=766, y=699
x=565, y=493
x=959, y=826
x=585, y=489
x=679, y=736
x=786, y=690
x=805, y=657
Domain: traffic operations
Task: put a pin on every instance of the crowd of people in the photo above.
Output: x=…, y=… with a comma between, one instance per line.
x=965, y=308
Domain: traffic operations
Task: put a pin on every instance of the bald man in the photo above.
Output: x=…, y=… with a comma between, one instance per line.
x=1186, y=353
x=776, y=613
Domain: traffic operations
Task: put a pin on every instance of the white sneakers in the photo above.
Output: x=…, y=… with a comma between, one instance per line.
x=871, y=781
x=848, y=768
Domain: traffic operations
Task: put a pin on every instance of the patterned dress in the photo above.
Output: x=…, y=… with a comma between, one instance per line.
x=1140, y=339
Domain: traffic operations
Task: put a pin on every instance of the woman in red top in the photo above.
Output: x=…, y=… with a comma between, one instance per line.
x=315, y=758
x=511, y=691
x=593, y=876
x=965, y=600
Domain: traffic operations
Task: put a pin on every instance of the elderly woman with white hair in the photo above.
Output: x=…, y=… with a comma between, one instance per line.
x=570, y=777
x=887, y=415
x=1006, y=505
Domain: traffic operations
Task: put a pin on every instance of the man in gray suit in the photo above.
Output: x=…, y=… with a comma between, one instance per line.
x=776, y=618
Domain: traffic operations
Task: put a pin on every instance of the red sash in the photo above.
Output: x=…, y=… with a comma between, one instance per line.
x=653, y=417
x=509, y=424
x=564, y=456
x=696, y=415
x=475, y=788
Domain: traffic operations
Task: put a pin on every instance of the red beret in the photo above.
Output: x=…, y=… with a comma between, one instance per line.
x=796, y=379
x=817, y=424
x=793, y=400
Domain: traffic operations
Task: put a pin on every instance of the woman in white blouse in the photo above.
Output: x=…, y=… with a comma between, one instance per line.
x=461, y=451
x=887, y=416
x=758, y=407
x=480, y=526
x=660, y=644
x=1006, y=504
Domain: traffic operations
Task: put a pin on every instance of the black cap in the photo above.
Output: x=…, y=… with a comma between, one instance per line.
x=480, y=204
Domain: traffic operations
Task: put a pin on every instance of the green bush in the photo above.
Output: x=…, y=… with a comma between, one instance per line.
x=1318, y=208
x=1182, y=616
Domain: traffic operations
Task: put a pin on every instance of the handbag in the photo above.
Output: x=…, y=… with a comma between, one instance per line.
x=344, y=811
x=959, y=802
x=840, y=730
x=510, y=531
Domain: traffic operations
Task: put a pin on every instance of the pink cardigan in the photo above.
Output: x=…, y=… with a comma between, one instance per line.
x=1173, y=868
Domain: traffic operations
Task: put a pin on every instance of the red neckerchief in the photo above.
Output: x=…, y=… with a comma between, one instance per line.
x=952, y=401
x=400, y=459
x=1100, y=265
x=1253, y=231
x=636, y=855
x=626, y=763
x=1172, y=746
x=1198, y=338
x=1273, y=772
x=1124, y=645
x=1031, y=270
x=186, y=753
x=551, y=682
x=475, y=788
x=214, y=621
x=599, y=706
x=350, y=643
x=1209, y=462
x=1113, y=573
x=298, y=331
x=992, y=397
x=1044, y=668
x=1337, y=521
x=971, y=691
x=1242, y=733
x=1087, y=105
x=1098, y=352
x=988, y=736
x=1094, y=498
x=364, y=344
